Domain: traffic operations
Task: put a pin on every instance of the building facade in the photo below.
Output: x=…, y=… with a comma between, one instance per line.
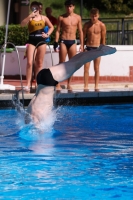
x=19, y=9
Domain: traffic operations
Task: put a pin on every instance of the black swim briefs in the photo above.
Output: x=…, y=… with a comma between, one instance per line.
x=36, y=41
x=68, y=43
x=36, y=38
x=88, y=48
x=45, y=77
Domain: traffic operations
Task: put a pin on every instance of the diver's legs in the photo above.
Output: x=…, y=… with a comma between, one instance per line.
x=64, y=70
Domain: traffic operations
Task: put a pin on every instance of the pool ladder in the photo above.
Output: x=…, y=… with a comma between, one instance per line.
x=16, y=95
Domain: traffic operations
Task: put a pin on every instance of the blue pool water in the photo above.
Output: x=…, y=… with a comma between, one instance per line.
x=86, y=155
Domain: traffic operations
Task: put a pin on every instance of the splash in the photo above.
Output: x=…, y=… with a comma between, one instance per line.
x=42, y=130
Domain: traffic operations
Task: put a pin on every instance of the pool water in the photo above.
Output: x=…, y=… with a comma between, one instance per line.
x=86, y=155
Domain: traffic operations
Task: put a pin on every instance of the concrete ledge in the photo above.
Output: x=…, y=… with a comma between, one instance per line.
x=76, y=98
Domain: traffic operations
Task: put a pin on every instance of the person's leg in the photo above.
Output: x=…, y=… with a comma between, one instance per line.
x=39, y=58
x=72, y=51
x=33, y=68
x=96, y=69
x=62, y=58
x=64, y=70
x=30, y=51
x=86, y=76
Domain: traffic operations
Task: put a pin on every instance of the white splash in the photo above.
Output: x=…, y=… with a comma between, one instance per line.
x=44, y=129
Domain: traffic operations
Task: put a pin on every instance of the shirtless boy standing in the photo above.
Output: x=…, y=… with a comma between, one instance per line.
x=68, y=24
x=94, y=32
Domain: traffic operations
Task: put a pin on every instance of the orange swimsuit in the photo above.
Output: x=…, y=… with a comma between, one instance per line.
x=35, y=26
x=35, y=29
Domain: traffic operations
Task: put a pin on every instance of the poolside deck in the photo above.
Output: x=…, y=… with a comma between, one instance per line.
x=109, y=92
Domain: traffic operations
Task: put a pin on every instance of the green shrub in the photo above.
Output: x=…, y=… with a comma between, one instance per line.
x=18, y=35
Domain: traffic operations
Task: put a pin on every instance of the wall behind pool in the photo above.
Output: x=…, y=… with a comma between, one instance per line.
x=116, y=66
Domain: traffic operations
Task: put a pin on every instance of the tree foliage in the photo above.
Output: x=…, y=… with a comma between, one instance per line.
x=114, y=6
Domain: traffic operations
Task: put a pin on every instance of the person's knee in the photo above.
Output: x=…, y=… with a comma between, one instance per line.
x=86, y=69
x=29, y=65
x=96, y=71
x=39, y=62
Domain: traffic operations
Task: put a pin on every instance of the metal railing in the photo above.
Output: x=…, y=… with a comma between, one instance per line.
x=118, y=38
x=119, y=30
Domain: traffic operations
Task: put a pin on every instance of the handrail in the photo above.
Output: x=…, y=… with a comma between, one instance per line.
x=20, y=72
